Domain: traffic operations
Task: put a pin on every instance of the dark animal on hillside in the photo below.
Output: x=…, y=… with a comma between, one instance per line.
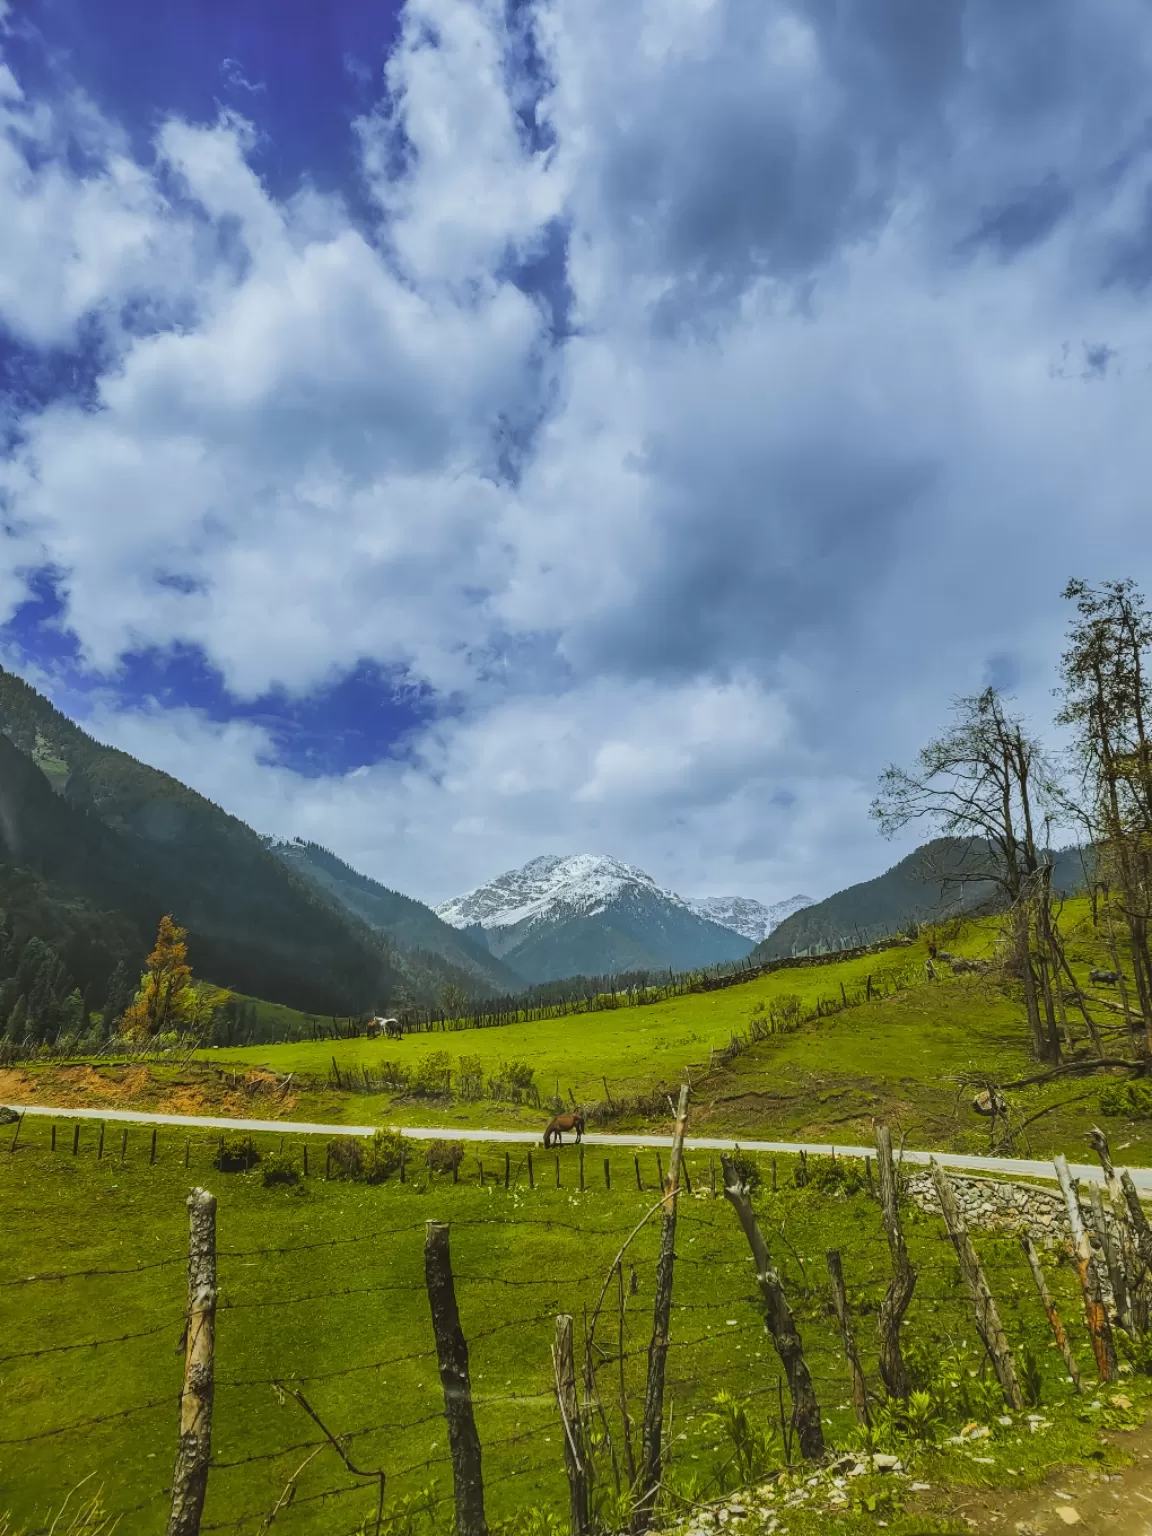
x=1105, y=978
x=990, y=1102
x=562, y=1123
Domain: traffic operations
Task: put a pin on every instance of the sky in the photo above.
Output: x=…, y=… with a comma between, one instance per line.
x=459, y=431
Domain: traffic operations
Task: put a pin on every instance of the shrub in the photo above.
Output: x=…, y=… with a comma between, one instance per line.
x=470, y=1078
x=346, y=1158
x=1131, y=1099
x=520, y=1074
x=279, y=1168
x=433, y=1073
x=747, y=1169
x=385, y=1154
x=832, y=1174
x=444, y=1156
x=236, y=1153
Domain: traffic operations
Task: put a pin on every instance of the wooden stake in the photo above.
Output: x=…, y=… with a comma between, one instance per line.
x=99, y=1144
x=76, y=1139
x=557, y=1170
x=639, y=1180
x=1116, y=1276
x=607, y=1175
x=1095, y=1315
x=903, y=1282
x=564, y=1374
x=507, y=1169
x=152, y=1152
x=778, y=1319
x=988, y=1324
x=651, y=1458
x=843, y=1316
x=53, y=1137
x=531, y=1171
x=1050, y=1311
x=452, y=1357
x=190, y=1477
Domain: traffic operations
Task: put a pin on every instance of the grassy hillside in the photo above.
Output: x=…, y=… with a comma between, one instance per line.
x=322, y=1286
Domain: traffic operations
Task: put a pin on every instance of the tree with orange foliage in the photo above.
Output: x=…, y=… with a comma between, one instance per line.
x=166, y=997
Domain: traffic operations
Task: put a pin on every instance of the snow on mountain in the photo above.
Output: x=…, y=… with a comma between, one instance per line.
x=743, y=915
x=549, y=888
x=588, y=915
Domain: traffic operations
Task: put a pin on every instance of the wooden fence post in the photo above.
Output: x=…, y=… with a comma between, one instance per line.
x=1135, y=1268
x=557, y=1170
x=639, y=1180
x=607, y=1175
x=651, y=1460
x=778, y=1319
x=53, y=1136
x=580, y=1150
x=100, y=1144
x=844, y=1318
x=123, y=1144
x=903, y=1282
x=531, y=1173
x=452, y=1357
x=988, y=1324
x=76, y=1138
x=1095, y=1315
x=190, y=1477
x=1050, y=1310
x=564, y=1373
x=152, y=1153
x=1115, y=1266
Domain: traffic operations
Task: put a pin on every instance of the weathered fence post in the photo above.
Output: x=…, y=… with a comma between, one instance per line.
x=99, y=1144
x=988, y=1324
x=557, y=1170
x=607, y=1175
x=190, y=1477
x=564, y=1372
x=639, y=1180
x=1095, y=1315
x=531, y=1173
x=1135, y=1268
x=843, y=1317
x=1050, y=1311
x=75, y=1138
x=452, y=1357
x=123, y=1144
x=507, y=1169
x=1112, y=1260
x=778, y=1319
x=899, y=1293
x=651, y=1461
x=152, y=1153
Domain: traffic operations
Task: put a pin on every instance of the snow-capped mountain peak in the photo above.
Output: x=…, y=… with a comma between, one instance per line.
x=743, y=915
x=549, y=888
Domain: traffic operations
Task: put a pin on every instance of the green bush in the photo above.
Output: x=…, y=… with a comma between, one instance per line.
x=384, y=1155
x=1133, y=1100
x=830, y=1175
x=747, y=1169
x=346, y=1158
x=236, y=1153
x=279, y=1168
x=433, y=1073
x=444, y=1156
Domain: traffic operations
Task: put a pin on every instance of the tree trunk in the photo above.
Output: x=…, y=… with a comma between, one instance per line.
x=840, y=1301
x=651, y=1446
x=1050, y=1311
x=778, y=1319
x=1112, y=1259
x=190, y=1477
x=452, y=1357
x=1095, y=1316
x=988, y=1324
x=899, y=1293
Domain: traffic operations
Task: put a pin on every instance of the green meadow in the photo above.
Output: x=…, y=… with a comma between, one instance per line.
x=322, y=1288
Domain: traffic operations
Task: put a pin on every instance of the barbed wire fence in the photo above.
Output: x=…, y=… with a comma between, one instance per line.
x=596, y=1423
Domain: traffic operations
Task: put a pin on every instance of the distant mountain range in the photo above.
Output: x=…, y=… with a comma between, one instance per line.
x=912, y=891
x=588, y=915
x=745, y=916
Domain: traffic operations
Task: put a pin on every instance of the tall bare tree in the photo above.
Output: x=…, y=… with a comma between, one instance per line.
x=1108, y=703
x=986, y=781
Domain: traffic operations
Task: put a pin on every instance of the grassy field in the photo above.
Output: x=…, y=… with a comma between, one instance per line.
x=322, y=1285
x=913, y=1056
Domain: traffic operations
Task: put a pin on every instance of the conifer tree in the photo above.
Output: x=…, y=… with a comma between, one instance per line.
x=165, y=996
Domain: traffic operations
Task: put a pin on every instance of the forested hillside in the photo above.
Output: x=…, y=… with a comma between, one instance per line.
x=100, y=826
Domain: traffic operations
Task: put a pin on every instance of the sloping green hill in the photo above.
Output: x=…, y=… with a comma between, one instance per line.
x=407, y=922
x=912, y=891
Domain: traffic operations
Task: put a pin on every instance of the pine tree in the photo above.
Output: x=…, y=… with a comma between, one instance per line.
x=17, y=1019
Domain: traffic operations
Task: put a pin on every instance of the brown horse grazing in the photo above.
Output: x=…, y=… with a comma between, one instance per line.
x=563, y=1123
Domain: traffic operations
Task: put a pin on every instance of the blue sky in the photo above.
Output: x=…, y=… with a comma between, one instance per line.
x=459, y=431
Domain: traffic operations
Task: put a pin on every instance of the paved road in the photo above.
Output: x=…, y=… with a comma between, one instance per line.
x=1022, y=1166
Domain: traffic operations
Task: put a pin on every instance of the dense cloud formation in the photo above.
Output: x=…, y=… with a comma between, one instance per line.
x=687, y=401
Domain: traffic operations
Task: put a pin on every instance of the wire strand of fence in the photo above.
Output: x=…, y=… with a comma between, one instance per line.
x=89, y=1274
x=172, y=1321
x=90, y=1423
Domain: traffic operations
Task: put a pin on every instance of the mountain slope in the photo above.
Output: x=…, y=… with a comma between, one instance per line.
x=406, y=922
x=588, y=915
x=909, y=892
x=133, y=840
x=743, y=915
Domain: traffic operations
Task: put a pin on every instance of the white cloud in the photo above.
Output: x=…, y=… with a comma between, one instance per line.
x=817, y=455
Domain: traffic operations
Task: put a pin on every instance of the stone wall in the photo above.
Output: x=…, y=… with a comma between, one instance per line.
x=997, y=1205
